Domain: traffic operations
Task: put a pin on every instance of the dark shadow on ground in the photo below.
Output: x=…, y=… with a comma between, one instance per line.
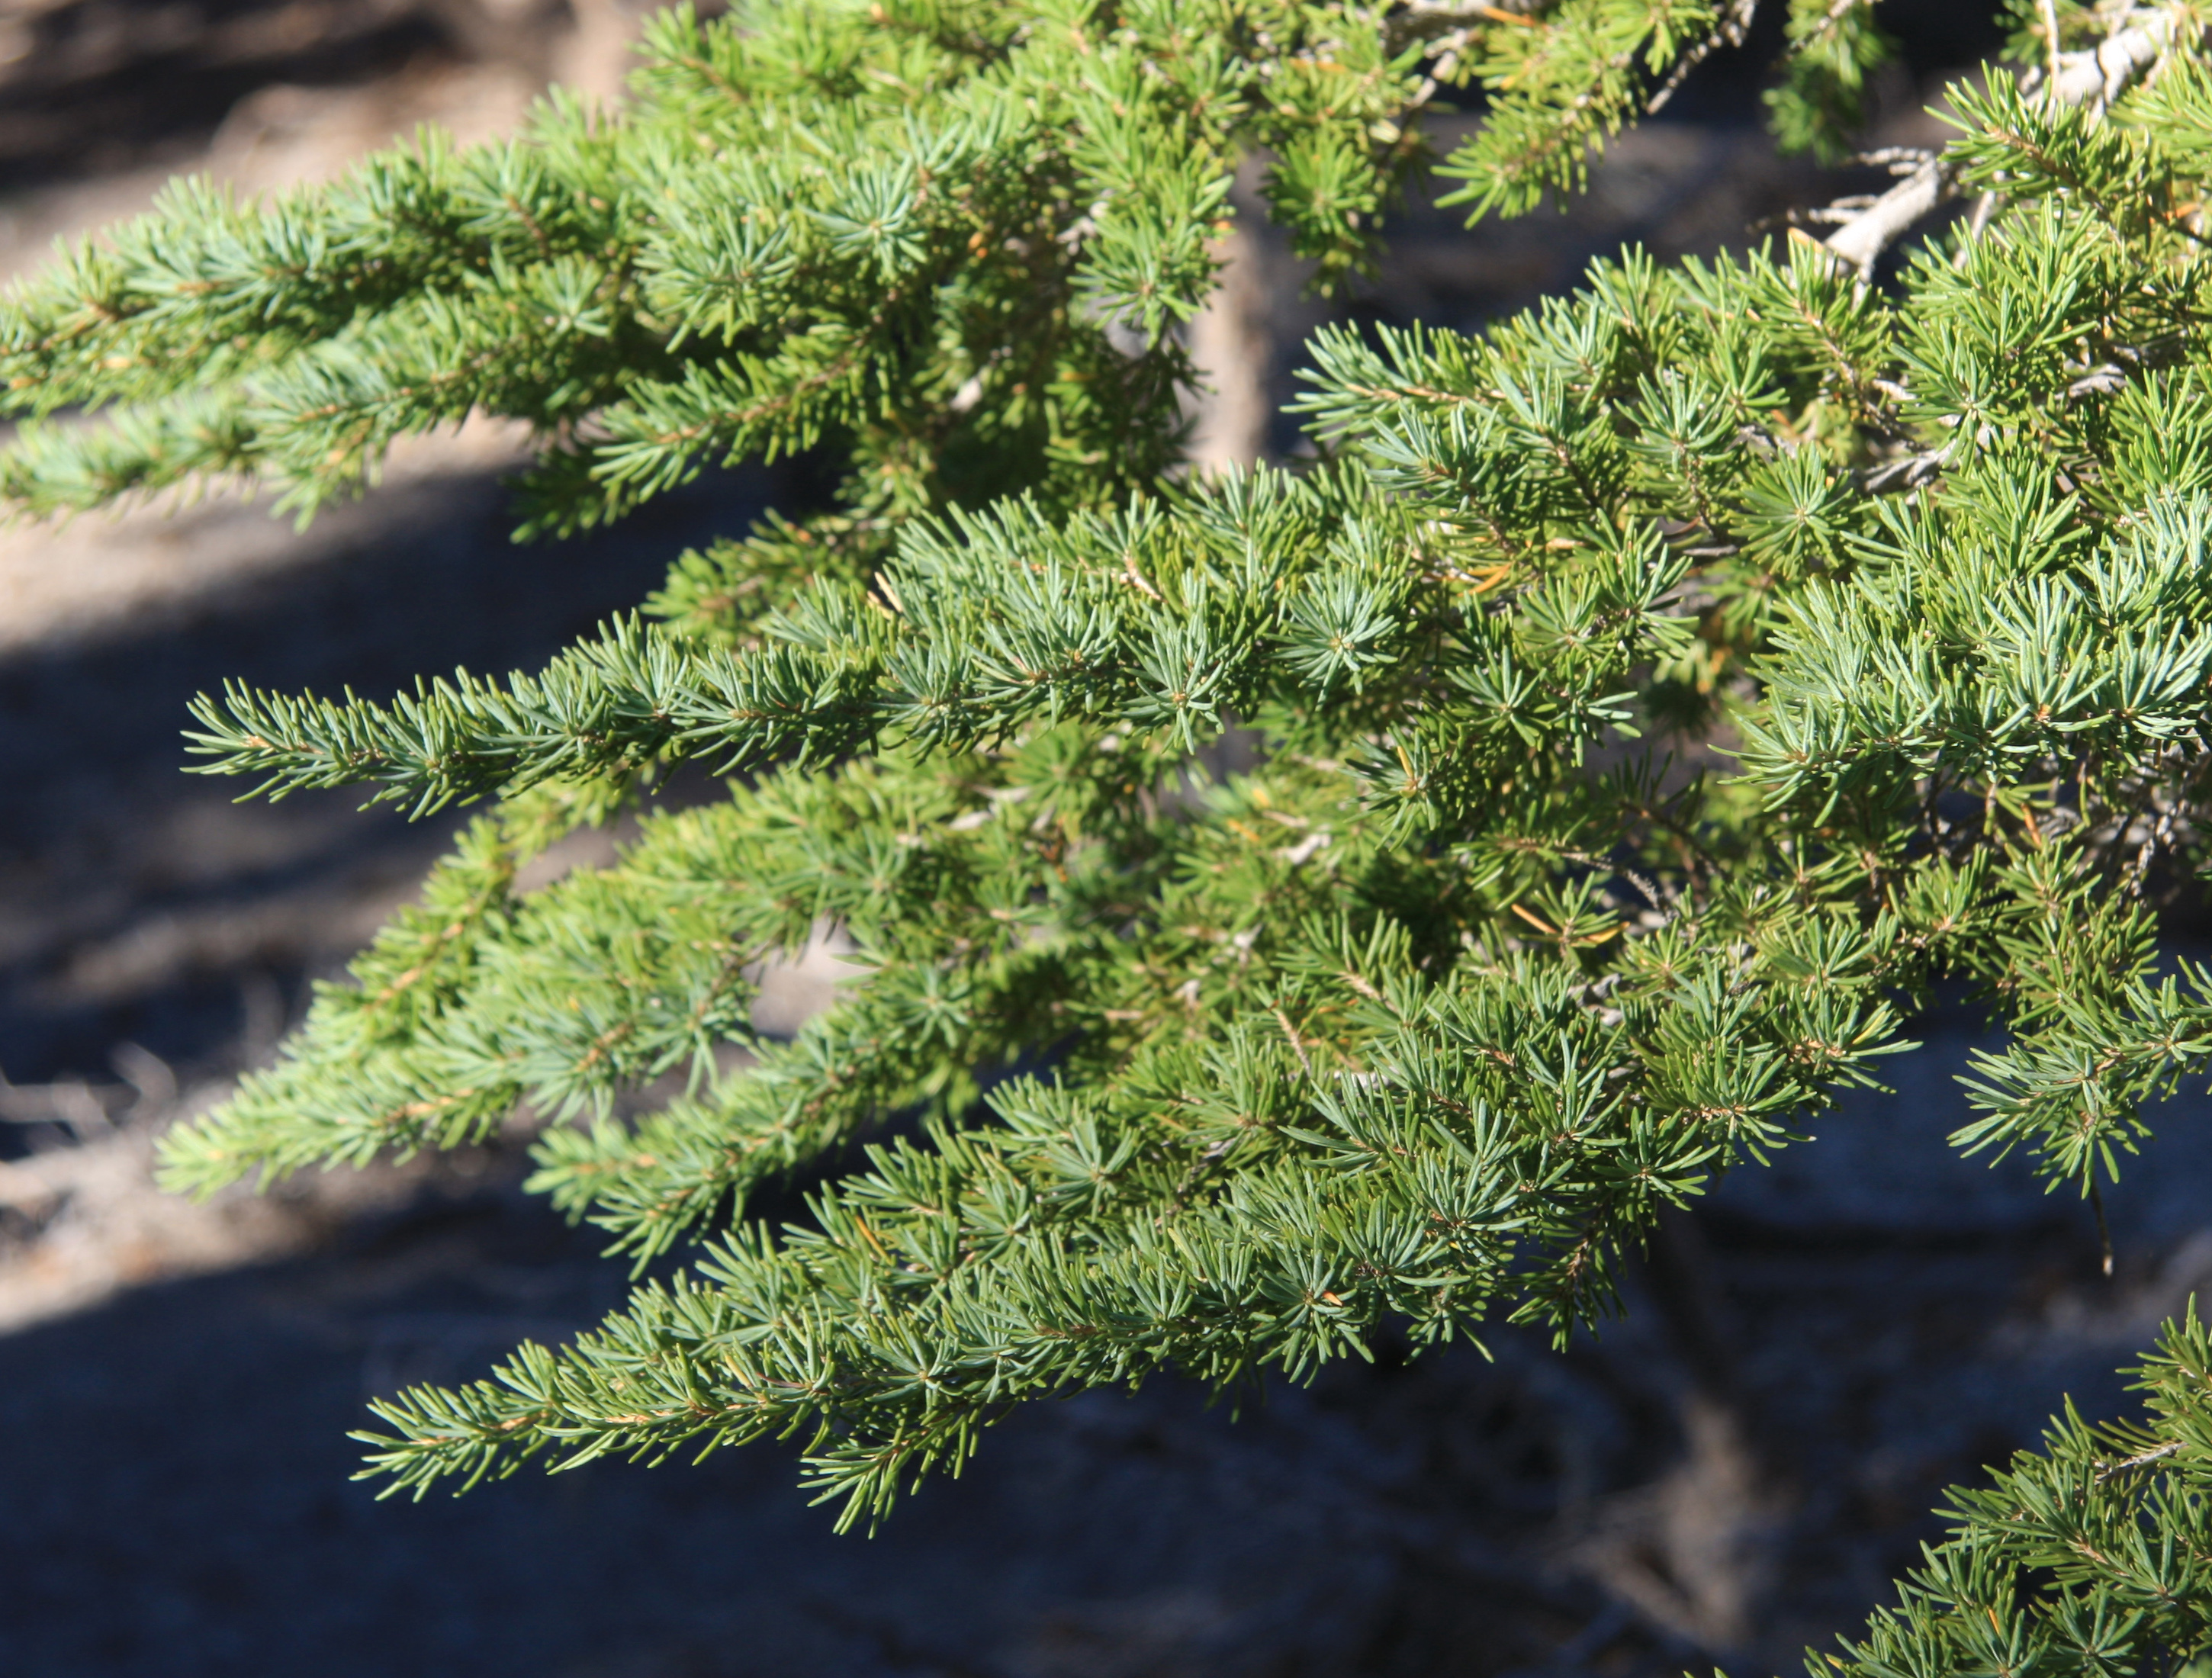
x=175, y=1469
x=176, y=1483
x=134, y=897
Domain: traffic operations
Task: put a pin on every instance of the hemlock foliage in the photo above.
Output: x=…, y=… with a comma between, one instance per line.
x=1492, y=957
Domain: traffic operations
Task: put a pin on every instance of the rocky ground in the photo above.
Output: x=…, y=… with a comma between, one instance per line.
x=1734, y=1470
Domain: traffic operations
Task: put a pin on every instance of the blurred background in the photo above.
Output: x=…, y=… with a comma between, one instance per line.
x=1736, y=1470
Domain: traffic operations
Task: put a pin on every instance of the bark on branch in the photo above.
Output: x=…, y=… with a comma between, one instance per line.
x=2091, y=79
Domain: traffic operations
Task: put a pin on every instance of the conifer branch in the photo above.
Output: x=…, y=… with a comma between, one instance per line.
x=1429, y=1014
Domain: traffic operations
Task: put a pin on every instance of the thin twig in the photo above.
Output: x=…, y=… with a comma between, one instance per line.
x=2141, y=1459
x=1898, y=159
x=1730, y=31
x=1298, y=1046
x=1861, y=240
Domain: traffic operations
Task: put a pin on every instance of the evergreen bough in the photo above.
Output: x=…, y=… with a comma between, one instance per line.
x=1426, y=1016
